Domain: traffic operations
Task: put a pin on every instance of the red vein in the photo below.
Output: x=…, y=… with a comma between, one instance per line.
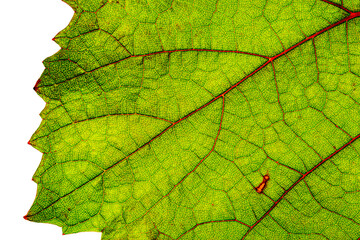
x=155, y=53
x=351, y=16
x=103, y=116
x=299, y=180
x=215, y=221
x=337, y=5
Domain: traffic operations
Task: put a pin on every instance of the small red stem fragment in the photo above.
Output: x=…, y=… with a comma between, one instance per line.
x=262, y=185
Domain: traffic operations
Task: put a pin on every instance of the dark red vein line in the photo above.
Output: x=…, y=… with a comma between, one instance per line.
x=104, y=116
x=200, y=50
x=215, y=221
x=36, y=87
x=299, y=180
x=351, y=16
x=278, y=163
x=159, y=232
x=337, y=5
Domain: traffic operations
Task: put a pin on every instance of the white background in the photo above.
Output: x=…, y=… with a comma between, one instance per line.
x=27, y=27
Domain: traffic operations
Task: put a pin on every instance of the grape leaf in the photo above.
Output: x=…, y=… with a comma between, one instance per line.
x=202, y=119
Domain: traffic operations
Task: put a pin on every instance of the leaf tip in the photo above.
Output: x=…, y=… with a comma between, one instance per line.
x=36, y=85
x=25, y=217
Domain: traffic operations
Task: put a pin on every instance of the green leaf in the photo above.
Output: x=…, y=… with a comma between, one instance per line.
x=203, y=119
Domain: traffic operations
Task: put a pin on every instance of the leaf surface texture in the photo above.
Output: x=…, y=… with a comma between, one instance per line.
x=163, y=117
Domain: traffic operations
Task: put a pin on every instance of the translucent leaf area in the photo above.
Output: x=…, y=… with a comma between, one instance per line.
x=202, y=119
